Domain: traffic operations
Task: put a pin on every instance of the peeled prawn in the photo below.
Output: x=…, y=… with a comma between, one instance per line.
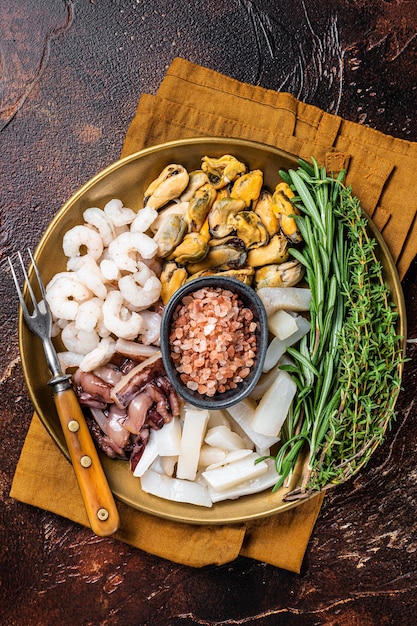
x=68, y=360
x=154, y=264
x=143, y=220
x=140, y=289
x=64, y=293
x=89, y=273
x=118, y=319
x=109, y=270
x=125, y=249
x=82, y=236
x=97, y=218
x=99, y=355
x=90, y=316
x=118, y=214
x=80, y=341
x=57, y=326
x=151, y=328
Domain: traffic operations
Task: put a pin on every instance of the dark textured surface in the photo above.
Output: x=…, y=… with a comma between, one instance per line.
x=71, y=74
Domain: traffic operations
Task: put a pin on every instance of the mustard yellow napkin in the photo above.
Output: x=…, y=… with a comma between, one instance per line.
x=44, y=478
x=195, y=101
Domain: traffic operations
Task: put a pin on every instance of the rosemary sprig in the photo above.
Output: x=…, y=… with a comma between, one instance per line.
x=347, y=369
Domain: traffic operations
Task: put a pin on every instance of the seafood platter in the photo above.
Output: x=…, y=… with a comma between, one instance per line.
x=186, y=409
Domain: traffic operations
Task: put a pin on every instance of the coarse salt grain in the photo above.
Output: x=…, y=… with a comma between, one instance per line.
x=213, y=341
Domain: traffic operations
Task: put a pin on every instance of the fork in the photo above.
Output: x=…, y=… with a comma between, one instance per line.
x=95, y=491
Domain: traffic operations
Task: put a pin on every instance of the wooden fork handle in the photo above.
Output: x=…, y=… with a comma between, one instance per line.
x=97, y=497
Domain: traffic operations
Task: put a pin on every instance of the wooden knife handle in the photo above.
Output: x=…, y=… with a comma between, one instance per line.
x=97, y=496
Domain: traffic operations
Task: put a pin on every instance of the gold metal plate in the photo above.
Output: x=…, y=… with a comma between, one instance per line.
x=127, y=179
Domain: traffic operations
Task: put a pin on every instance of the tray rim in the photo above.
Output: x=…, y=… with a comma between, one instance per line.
x=191, y=513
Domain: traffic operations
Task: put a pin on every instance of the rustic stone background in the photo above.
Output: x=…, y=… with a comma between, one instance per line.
x=71, y=73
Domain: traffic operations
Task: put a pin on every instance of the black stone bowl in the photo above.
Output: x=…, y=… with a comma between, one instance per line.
x=249, y=298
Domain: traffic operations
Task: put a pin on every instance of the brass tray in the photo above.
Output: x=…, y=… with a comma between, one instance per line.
x=127, y=179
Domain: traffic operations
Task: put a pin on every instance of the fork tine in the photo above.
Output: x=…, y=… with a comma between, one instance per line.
x=18, y=290
x=29, y=286
x=38, y=276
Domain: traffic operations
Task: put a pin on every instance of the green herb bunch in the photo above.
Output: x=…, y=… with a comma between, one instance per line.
x=348, y=367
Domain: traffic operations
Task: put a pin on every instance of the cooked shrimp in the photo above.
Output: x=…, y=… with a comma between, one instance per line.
x=150, y=331
x=118, y=214
x=90, y=314
x=97, y=217
x=80, y=341
x=68, y=360
x=154, y=264
x=57, y=326
x=100, y=355
x=109, y=270
x=118, y=319
x=89, y=273
x=80, y=237
x=124, y=250
x=64, y=293
x=143, y=220
x=140, y=289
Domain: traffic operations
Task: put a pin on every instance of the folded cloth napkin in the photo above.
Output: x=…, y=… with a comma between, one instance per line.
x=44, y=478
x=195, y=101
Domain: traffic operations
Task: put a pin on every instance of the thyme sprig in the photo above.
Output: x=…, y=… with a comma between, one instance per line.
x=348, y=368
